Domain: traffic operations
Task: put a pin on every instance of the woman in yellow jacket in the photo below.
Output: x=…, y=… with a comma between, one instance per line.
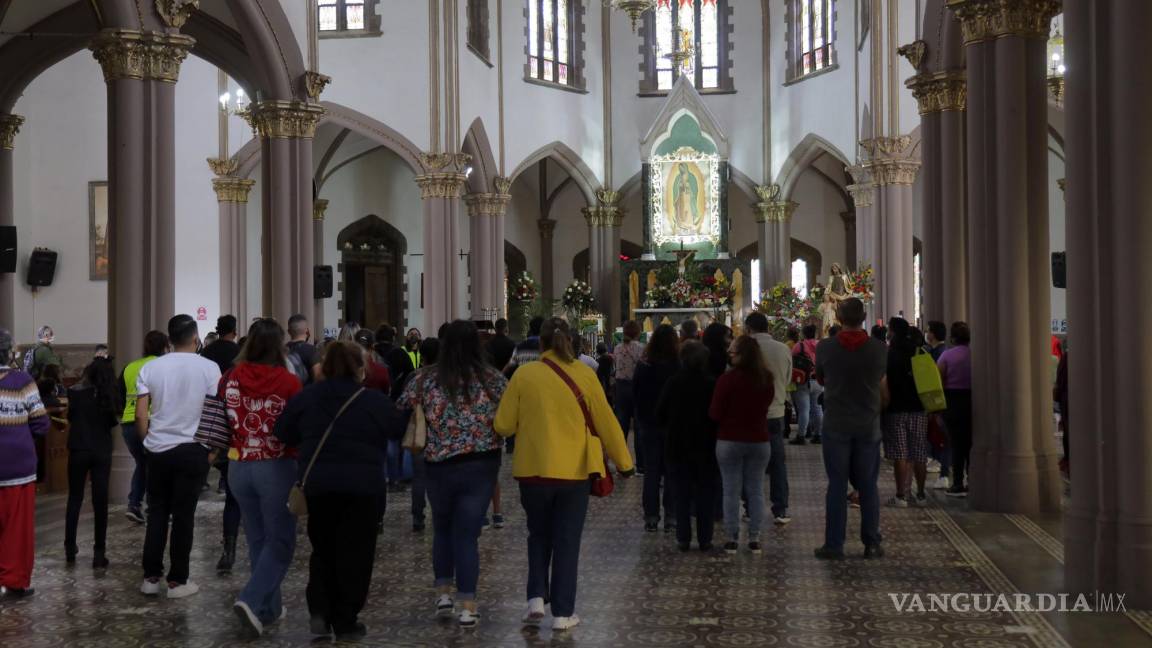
x=555, y=454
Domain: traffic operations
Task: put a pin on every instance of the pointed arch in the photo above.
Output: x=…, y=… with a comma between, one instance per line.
x=568, y=160
x=684, y=100
x=809, y=148
x=484, y=169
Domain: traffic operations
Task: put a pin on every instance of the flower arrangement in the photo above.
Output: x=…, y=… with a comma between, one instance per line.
x=524, y=288
x=696, y=288
x=578, y=298
x=862, y=283
x=785, y=309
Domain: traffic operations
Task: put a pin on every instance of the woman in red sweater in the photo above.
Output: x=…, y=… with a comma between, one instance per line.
x=740, y=409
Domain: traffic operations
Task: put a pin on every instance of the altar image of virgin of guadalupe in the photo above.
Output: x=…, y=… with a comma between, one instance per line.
x=687, y=217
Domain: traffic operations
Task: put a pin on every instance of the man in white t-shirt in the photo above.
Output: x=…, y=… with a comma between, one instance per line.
x=170, y=393
x=778, y=358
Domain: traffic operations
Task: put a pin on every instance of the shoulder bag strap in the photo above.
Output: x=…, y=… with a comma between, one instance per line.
x=575, y=391
x=319, y=446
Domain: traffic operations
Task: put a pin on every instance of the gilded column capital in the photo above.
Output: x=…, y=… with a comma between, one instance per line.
x=503, y=184
x=444, y=162
x=898, y=171
x=223, y=166
x=230, y=189
x=132, y=54
x=487, y=204
x=939, y=91
x=284, y=119
x=914, y=52
x=175, y=13
x=861, y=193
x=319, y=209
x=775, y=211
x=985, y=20
x=604, y=215
x=314, y=84
x=440, y=185
x=9, y=126
x=859, y=174
x=547, y=227
x=887, y=146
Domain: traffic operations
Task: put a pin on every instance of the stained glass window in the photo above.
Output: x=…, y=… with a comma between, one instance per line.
x=551, y=40
x=686, y=37
x=812, y=36
x=328, y=10
x=343, y=15
x=800, y=276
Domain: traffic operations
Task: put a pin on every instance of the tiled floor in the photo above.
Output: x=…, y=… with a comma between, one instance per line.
x=635, y=589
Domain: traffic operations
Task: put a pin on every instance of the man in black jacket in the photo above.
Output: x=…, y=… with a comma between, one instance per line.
x=224, y=350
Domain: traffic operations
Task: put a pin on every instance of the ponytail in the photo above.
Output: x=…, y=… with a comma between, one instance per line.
x=555, y=337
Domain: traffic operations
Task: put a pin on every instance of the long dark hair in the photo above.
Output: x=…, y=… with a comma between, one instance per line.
x=264, y=344
x=101, y=376
x=663, y=346
x=746, y=357
x=460, y=360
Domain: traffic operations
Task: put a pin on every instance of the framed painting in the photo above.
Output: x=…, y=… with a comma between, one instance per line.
x=98, y=230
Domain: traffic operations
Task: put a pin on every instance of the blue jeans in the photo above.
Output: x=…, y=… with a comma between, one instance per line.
x=857, y=460
x=624, y=407
x=656, y=476
x=742, y=468
x=777, y=468
x=459, y=492
x=135, y=445
x=555, y=515
x=808, y=411
x=261, y=489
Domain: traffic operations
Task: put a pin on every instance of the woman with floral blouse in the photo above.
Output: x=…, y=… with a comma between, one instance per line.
x=460, y=395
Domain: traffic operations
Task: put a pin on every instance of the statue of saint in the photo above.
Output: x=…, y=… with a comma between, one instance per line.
x=827, y=310
x=839, y=284
x=685, y=189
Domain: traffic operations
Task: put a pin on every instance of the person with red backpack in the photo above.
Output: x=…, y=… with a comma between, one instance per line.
x=807, y=395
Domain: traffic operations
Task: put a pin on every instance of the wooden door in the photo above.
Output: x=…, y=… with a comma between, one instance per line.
x=377, y=296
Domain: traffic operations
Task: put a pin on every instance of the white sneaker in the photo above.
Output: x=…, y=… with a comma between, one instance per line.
x=445, y=606
x=182, y=591
x=781, y=520
x=151, y=588
x=898, y=502
x=247, y=617
x=565, y=623
x=469, y=618
x=933, y=466
x=942, y=483
x=535, y=613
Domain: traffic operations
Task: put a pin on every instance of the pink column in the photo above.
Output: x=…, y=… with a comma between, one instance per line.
x=889, y=225
x=863, y=193
x=486, y=260
x=9, y=126
x=140, y=70
x=774, y=239
x=496, y=240
x=232, y=194
x=604, y=221
x=1013, y=460
x=440, y=190
x=319, y=208
x=1108, y=527
x=547, y=228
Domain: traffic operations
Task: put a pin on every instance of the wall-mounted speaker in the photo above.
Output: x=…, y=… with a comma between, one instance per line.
x=322, y=282
x=7, y=248
x=41, y=267
x=1059, y=270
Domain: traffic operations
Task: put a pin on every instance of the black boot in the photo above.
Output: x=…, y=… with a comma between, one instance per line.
x=99, y=560
x=224, y=566
x=70, y=552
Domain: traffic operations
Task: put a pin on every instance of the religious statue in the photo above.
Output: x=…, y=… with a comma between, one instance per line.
x=827, y=311
x=839, y=284
x=687, y=216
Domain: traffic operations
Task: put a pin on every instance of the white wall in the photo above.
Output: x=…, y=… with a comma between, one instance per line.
x=817, y=219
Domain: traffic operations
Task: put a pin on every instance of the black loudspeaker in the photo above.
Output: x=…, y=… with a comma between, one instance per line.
x=41, y=267
x=322, y=282
x=7, y=248
x=1059, y=270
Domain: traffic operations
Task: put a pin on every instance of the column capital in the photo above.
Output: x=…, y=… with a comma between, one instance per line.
x=444, y=162
x=887, y=146
x=503, y=184
x=314, y=84
x=887, y=171
x=319, y=209
x=986, y=20
x=487, y=204
x=1062, y=183
x=939, y=91
x=440, y=185
x=284, y=119
x=861, y=193
x=230, y=189
x=604, y=215
x=888, y=160
x=775, y=211
x=140, y=55
x=547, y=227
x=223, y=166
x=9, y=126
x=175, y=13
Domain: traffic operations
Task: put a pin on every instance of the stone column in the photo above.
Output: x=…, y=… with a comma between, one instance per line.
x=1013, y=455
x=863, y=192
x=9, y=126
x=547, y=228
x=440, y=188
x=140, y=69
x=892, y=171
x=941, y=97
x=849, y=218
x=604, y=221
x=319, y=209
x=1108, y=526
x=286, y=129
x=232, y=194
x=774, y=229
x=486, y=217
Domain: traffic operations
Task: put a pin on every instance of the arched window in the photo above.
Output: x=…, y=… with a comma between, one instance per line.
x=556, y=42
x=357, y=16
x=811, y=26
x=700, y=31
x=800, y=276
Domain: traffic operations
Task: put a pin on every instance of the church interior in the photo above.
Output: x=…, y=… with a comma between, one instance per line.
x=413, y=162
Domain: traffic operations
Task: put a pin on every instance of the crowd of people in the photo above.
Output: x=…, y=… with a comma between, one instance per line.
x=350, y=421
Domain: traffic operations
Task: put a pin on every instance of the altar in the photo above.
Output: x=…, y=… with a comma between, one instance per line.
x=652, y=317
